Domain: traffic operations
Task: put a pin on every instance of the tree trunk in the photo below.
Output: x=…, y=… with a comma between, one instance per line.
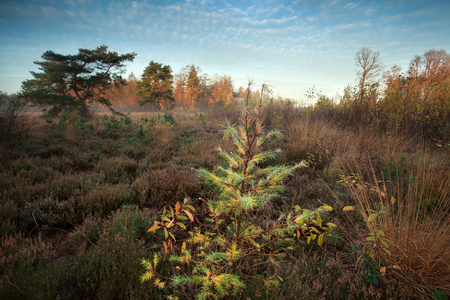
x=84, y=112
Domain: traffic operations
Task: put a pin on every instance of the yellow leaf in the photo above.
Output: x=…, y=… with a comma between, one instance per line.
x=348, y=208
x=308, y=240
x=190, y=216
x=383, y=270
x=183, y=246
x=314, y=229
x=177, y=208
x=298, y=233
x=327, y=207
x=320, y=240
x=166, y=233
x=166, y=219
x=181, y=225
x=331, y=225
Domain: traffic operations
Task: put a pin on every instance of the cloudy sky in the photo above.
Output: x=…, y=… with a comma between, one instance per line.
x=290, y=45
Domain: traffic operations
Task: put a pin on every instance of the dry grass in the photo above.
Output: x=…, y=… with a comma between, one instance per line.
x=66, y=191
x=413, y=226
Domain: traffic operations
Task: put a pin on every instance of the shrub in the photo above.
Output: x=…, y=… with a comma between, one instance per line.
x=106, y=198
x=108, y=265
x=168, y=185
x=30, y=269
x=118, y=169
x=14, y=121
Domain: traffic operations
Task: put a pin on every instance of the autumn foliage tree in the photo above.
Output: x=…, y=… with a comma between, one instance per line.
x=188, y=86
x=123, y=94
x=416, y=100
x=420, y=98
x=69, y=82
x=222, y=90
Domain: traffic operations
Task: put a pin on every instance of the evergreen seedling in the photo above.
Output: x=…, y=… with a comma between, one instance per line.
x=239, y=241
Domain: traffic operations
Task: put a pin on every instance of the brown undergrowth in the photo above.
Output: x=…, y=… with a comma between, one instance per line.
x=77, y=200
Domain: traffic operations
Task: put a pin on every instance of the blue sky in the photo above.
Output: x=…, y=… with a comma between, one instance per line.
x=290, y=45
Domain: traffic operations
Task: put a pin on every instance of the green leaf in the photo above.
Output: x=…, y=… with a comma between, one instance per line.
x=372, y=217
x=370, y=239
x=379, y=233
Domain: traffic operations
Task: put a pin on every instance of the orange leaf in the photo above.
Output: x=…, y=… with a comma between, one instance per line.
x=155, y=227
x=165, y=248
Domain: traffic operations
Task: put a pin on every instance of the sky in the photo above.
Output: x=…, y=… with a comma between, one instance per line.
x=291, y=46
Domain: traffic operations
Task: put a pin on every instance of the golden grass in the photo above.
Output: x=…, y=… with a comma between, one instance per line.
x=415, y=228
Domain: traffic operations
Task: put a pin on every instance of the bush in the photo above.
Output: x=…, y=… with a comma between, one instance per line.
x=14, y=121
x=30, y=269
x=108, y=264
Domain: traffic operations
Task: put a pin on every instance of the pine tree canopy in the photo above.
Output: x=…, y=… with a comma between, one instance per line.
x=156, y=85
x=71, y=82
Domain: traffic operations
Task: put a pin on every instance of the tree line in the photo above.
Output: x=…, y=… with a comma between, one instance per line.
x=413, y=100
x=94, y=78
x=188, y=89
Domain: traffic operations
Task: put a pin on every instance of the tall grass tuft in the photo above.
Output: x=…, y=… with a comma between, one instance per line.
x=407, y=226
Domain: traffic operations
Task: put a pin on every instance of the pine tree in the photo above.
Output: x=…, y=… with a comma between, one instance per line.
x=239, y=241
x=156, y=85
x=69, y=82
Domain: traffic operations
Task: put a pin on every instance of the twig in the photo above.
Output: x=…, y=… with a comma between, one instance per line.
x=35, y=222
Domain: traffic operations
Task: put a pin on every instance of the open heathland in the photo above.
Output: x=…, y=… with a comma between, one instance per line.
x=88, y=207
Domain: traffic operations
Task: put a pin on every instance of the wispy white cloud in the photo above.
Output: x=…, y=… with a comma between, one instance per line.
x=299, y=41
